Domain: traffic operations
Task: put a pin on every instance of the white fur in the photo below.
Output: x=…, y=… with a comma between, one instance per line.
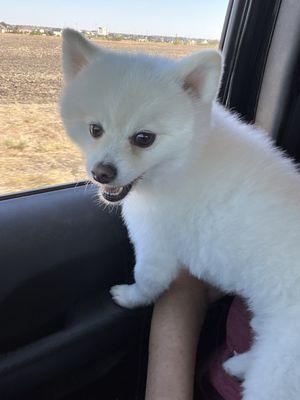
x=216, y=196
x=238, y=365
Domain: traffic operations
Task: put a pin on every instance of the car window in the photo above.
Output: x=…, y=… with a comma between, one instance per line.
x=34, y=151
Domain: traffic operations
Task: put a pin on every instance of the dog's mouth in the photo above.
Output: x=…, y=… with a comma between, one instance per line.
x=115, y=193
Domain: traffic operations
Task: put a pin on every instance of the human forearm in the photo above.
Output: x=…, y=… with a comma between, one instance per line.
x=176, y=323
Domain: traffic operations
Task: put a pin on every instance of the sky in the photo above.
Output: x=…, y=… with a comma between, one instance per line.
x=190, y=18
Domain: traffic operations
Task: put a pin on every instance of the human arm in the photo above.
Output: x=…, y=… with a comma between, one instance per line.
x=176, y=323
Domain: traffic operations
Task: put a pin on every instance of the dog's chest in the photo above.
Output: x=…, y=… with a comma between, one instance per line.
x=192, y=235
x=155, y=218
x=170, y=225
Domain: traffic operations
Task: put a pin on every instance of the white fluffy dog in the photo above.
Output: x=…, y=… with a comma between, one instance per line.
x=199, y=188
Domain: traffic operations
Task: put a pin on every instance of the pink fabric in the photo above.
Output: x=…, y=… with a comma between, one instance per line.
x=238, y=339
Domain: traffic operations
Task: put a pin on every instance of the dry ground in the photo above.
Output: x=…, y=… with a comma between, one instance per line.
x=34, y=151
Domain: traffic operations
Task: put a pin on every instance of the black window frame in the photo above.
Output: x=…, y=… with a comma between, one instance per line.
x=288, y=137
x=246, y=56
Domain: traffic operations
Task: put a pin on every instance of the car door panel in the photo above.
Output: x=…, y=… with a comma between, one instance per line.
x=60, y=254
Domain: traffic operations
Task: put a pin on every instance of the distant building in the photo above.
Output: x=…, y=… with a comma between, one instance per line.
x=8, y=28
x=57, y=33
x=102, y=31
x=3, y=27
x=205, y=41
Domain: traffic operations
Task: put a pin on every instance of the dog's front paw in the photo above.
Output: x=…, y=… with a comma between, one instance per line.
x=128, y=296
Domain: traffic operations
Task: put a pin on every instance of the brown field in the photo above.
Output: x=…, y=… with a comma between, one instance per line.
x=34, y=151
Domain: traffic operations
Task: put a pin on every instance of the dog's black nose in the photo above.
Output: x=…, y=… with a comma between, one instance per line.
x=104, y=173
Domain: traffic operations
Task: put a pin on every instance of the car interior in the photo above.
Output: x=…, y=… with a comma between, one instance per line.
x=62, y=336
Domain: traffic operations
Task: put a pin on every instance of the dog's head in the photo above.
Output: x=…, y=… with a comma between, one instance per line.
x=133, y=115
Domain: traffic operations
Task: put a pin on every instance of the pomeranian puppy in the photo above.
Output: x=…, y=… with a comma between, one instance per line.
x=198, y=188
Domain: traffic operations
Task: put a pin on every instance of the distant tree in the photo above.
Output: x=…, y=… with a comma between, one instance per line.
x=35, y=33
x=116, y=37
x=16, y=29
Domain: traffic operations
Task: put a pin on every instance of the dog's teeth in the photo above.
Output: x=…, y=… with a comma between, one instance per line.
x=114, y=190
x=118, y=191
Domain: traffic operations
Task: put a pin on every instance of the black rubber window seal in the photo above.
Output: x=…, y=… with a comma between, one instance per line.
x=246, y=56
x=288, y=137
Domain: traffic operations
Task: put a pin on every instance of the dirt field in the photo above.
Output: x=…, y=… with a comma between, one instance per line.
x=34, y=151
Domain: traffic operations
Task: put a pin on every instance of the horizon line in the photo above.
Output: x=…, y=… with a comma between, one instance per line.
x=123, y=33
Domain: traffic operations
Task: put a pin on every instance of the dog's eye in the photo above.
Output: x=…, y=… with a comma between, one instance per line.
x=143, y=139
x=96, y=130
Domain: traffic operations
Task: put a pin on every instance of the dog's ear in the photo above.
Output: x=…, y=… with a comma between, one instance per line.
x=199, y=74
x=77, y=52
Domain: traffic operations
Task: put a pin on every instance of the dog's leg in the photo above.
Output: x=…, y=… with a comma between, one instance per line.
x=152, y=277
x=238, y=365
x=274, y=371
